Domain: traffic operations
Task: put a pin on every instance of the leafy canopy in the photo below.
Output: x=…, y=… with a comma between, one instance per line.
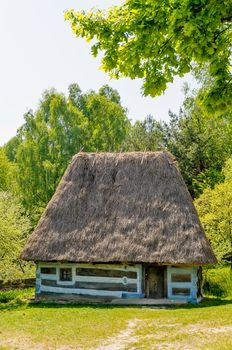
x=157, y=40
x=7, y=172
x=58, y=129
x=147, y=135
x=14, y=229
x=215, y=210
x=200, y=144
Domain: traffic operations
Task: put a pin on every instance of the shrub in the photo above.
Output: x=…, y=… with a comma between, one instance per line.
x=17, y=296
x=218, y=281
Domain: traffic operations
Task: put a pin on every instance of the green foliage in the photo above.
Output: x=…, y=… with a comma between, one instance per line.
x=49, y=139
x=213, y=96
x=110, y=93
x=217, y=282
x=215, y=210
x=16, y=296
x=158, y=40
x=60, y=128
x=145, y=136
x=227, y=170
x=7, y=172
x=107, y=123
x=200, y=144
x=11, y=147
x=14, y=229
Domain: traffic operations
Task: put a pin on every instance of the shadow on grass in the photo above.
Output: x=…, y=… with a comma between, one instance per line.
x=16, y=304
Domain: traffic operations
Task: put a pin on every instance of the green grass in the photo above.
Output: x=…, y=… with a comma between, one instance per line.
x=44, y=326
x=207, y=326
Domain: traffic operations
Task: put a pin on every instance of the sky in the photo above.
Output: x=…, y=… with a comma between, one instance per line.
x=38, y=51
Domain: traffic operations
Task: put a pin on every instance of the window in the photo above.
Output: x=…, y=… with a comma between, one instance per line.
x=181, y=277
x=48, y=270
x=65, y=274
x=181, y=291
x=181, y=282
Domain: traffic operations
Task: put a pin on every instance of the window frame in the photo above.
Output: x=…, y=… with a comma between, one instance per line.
x=181, y=270
x=61, y=277
x=176, y=291
x=175, y=277
x=44, y=270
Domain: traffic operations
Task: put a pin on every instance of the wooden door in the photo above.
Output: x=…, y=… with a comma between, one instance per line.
x=154, y=282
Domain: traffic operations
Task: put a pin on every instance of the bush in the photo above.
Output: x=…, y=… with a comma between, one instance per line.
x=218, y=281
x=17, y=296
x=7, y=296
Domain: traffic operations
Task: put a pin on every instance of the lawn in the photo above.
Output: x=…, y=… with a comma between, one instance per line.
x=43, y=326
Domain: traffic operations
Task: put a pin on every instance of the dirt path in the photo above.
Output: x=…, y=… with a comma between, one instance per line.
x=123, y=339
x=117, y=342
x=126, y=338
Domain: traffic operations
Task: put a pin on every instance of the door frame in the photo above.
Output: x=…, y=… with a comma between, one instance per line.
x=163, y=281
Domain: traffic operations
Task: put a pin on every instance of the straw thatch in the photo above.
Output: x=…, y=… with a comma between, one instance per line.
x=112, y=207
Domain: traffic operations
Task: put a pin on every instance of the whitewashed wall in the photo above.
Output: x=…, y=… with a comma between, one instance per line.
x=69, y=287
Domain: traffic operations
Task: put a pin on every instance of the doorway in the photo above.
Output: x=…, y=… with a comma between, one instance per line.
x=154, y=282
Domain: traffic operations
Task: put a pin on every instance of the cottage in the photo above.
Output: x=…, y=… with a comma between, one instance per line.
x=120, y=225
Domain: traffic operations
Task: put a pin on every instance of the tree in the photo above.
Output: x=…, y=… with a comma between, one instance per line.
x=215, y=210
x=145, y=135
x=58, y=129
x=14, y=229
x=7, y=172
x=110, y=93
x=50, y=137
x=11, y=147
x=107, y=122
x=213, y=96
x=201, y=145
x=158, y=40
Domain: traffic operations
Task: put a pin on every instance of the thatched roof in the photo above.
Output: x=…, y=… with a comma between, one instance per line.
x=128, y=207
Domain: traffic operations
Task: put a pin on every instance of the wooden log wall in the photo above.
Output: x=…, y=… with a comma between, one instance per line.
x=115, y=280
